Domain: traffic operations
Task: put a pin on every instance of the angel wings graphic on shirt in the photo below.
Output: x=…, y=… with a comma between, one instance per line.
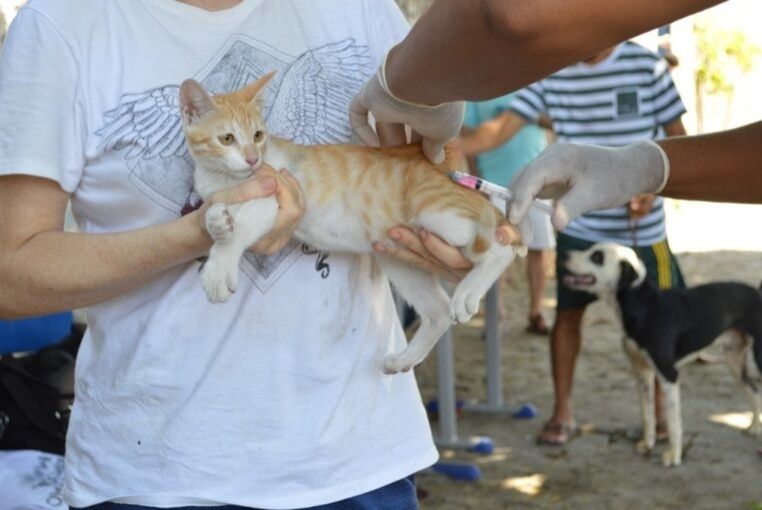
x=307, y=102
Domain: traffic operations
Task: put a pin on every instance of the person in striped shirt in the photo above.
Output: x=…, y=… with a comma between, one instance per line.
x=619, y=96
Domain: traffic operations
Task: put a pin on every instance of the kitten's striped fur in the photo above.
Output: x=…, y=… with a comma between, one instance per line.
x=354, y=195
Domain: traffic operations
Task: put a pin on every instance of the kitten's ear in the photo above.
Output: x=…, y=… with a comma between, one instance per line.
x=195, y=102
x=253, y=91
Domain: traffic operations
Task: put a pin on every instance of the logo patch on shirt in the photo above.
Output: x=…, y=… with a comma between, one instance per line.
x=627, y=102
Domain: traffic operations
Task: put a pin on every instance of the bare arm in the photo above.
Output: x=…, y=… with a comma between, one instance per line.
x=44, y=269
x=492, y=133
x=675, y=128
x=723, y=167
x=478, y=49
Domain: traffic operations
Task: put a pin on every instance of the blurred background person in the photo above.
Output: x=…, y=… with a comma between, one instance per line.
x=498, y=164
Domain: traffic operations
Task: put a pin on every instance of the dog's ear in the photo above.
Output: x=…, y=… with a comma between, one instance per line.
x=627, y=275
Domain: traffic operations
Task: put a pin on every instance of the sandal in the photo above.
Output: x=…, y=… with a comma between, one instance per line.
x=557, y=434
x=537, y=325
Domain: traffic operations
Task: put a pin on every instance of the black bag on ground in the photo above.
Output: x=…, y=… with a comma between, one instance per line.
x=36, y=393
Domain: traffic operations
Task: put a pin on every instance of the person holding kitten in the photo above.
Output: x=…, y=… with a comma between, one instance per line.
x=273, y=400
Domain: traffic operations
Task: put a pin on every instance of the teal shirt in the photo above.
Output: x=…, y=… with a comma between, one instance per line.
x=501, y=164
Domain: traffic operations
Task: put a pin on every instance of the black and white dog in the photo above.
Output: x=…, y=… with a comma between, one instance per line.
x=665, y=329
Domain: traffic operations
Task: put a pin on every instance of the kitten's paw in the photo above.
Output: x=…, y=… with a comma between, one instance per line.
x=464, y=304
x=396, y=363
x=220, y=281
x=754, y=430
x=644, y=447
x=670, y=458
x=219, y=223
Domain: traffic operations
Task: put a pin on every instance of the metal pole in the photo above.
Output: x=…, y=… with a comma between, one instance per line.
x=492, y=349
x=446, y=391
x=495, y=403
x=448, y=427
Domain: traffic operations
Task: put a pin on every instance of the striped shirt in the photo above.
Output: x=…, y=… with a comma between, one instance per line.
x=626, y=98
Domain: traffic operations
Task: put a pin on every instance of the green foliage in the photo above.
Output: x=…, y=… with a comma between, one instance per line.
x=720, y=51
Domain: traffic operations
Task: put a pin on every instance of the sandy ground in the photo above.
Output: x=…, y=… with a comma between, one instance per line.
x=599, y=469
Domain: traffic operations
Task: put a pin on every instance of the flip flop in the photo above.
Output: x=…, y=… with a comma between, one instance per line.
x=557, y=434
x=537, y=325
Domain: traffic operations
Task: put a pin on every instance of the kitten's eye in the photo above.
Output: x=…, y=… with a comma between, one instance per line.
x=258, y=135
x=227, y=139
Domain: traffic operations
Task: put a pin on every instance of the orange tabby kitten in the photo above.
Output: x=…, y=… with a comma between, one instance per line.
x=354, y=195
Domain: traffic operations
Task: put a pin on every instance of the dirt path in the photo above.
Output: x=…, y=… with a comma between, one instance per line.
x=599, y=469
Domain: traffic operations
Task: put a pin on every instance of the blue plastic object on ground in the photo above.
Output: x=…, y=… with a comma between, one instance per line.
x=527, y=412
x=456, y=471
x=432, y=407
x=35, y=333
x=484, y=446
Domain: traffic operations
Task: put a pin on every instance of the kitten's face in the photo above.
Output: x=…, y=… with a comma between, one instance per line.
x=225, y=133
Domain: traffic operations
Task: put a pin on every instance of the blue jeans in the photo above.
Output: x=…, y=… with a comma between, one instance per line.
x=399, y=495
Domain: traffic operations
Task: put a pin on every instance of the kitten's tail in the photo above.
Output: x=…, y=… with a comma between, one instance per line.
x=485, y=233
x=489, y=220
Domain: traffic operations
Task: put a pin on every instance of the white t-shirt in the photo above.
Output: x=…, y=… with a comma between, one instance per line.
x=31, y=480
x=275, y=399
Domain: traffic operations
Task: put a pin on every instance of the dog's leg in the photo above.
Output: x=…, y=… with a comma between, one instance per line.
x=646, y=379
x=671, y=394
x=738, y=355
x=251, y=221
x=424, y=293
x=755, y=429
x=751, y=377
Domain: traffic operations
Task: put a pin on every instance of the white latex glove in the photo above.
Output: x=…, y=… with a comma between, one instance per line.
x=436, y=124
x=586, y=178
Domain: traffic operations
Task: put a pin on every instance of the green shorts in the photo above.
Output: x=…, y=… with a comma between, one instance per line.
x=661, y=268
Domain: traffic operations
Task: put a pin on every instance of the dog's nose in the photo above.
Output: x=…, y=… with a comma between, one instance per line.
x=252, y=160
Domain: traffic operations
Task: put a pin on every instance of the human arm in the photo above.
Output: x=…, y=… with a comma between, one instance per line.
x=45, y=269
x=675, y=128
x=640, y=205
x=722, y=167
x=485, y=48
x=717, y=167
x=491, y=133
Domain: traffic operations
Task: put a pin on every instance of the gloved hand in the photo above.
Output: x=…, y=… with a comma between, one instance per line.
x=436, y=124
x=585, y=178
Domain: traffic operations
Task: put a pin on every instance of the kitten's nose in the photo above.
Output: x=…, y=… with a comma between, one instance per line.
x=252, y=160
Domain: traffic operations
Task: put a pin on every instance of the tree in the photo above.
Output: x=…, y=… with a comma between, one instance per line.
x=722, y=57
x=413, y=8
